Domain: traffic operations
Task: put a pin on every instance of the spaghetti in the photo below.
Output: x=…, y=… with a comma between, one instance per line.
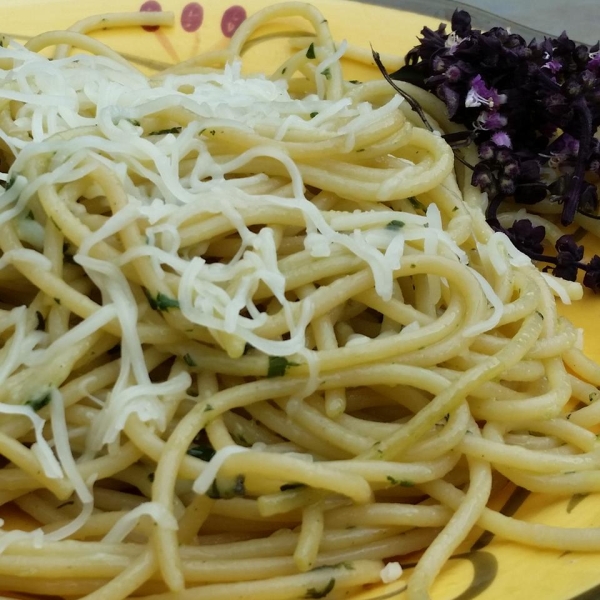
x=257, y=338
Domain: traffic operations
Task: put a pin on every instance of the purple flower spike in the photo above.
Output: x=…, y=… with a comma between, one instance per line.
x=480, y=94
x=501, y=138
x=533, y=111
x=553, y=65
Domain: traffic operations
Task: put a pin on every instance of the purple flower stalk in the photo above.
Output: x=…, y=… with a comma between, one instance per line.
x=533, y=110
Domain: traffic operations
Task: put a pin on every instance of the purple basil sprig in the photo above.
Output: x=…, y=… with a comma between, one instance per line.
x=532, y=109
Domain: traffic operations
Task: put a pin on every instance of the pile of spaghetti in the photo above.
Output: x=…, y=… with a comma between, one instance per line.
x=257, y=340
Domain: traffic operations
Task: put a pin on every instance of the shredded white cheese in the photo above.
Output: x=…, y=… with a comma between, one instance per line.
x=391, y=572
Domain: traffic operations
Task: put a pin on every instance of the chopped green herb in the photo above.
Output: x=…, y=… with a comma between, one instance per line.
x=189, y=361
x=315, y=593
x=592, y=396
x=361, y=150
x=151, y=477
x=455, y=209
x=395, y=225
x=39, y=402
x=29, y=216
x=416, y=204
x=343, y=565
x=278, y=366
x=310, y=53
x=292, y=486
x=237, y=490
x=540, y=315
x=212, y=132
x=204, y=453
x=208, y=408
x=393, y=480
x=413, y=266
x=406, y=483
x=57, y=300
x=283, y=70
x=165, y=131
x=161, y=302
x=313, y=114
x=326, y=73
x=355, y=81
x=134, y=122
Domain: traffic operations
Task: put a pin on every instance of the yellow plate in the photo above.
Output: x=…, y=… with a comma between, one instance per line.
x=490, y=569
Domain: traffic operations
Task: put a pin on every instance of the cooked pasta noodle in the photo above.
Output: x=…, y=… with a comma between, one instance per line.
x=257, y=338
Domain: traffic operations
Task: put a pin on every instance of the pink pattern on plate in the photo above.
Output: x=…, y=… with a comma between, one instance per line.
x=232, y=19
x=150, y=6
x=192, y=16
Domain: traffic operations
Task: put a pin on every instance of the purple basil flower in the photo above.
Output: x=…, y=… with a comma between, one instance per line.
x=591, y=278
x=501, y=138
x=480, y=94
x=553, y=65
x=524, y=235
x=530, y=108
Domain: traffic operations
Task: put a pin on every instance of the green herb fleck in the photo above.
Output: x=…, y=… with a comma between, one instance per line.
x=278, y=366
x=29, y=216
x=455, y=209
x=401, y=482
x=539, y=314
x=283, y=70
x=326, y=73
x=313, y=114
x=416, y=204
x=355, y=81
x=342, y=565
x=237, y=490
x=189, y=361
x=134, y=122
x=39, y=402
x=310, y=53
x=395, y=225
x=592, y=396
x=57, y=300
x=151, y=477
x=162, y=302
x=315, y=593
x=204, y=453
x=165, y=131
x=212, y=132
x=208, y=408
